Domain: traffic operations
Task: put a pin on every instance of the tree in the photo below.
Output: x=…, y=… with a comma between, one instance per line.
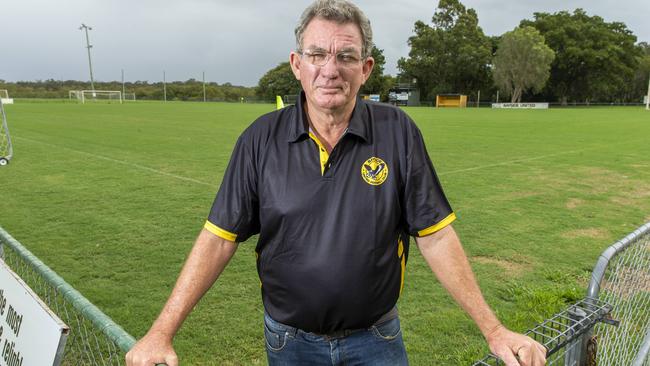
x=377, y=82
x=522, y=62
x=278, y=81
x=595, y=60
x=642, y=73
x=451, y=55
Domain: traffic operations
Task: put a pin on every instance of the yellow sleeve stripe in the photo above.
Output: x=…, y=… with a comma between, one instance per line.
x=432, y=229
x=219, y=231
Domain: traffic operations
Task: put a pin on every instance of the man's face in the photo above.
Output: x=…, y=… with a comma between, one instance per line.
x=334, y=85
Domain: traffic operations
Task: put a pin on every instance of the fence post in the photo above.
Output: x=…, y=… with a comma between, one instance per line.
x=574, y=355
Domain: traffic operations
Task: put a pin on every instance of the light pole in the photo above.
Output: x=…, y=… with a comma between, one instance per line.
x=164, y=87
x=647, y=101
x=90, y=63
x=204, y=99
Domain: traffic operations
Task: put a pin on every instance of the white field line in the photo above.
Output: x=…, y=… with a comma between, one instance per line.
x=187, y=179
x=123, y=162
x=512, y=162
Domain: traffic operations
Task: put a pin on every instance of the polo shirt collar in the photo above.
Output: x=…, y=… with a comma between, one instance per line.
x=359, y=121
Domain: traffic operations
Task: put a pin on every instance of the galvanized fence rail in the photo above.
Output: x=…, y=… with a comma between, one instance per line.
x=94, y=338
x=611, y=326
x=622, y=278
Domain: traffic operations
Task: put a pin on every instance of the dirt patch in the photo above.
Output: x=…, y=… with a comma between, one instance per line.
x=510, y=268
x=593, y=233
x=573, y=203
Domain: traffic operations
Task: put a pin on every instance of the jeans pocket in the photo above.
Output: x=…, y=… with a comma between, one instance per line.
x=388, y=330
x=276, y=337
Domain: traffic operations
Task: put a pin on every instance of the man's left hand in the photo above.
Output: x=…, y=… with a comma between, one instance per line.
x=516, y=349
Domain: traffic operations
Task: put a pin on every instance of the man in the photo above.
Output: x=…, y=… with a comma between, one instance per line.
x=334, y=186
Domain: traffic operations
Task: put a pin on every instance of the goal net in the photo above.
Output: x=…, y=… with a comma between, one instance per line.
x=6, y=150
x=128, y=97
x=109, y=96
x=4, y=97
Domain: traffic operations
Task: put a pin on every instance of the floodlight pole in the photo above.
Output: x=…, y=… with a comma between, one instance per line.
x=204, y=99
x=90, y=63
x=123, y=90
x=164, y=87
x=647, y=101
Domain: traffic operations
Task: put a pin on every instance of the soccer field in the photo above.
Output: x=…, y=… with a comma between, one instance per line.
x=111, y=197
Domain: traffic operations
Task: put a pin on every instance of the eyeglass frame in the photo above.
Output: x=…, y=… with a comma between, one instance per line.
x=329, y=55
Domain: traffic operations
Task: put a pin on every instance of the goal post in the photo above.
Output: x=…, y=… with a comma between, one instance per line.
x=6, y=149
x=101, y=95
x=4, y=97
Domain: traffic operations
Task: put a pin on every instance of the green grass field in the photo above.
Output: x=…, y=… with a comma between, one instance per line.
x=111, y=197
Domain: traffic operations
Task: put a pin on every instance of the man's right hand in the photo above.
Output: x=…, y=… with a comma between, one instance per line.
x=206, y=261
x=152, y=350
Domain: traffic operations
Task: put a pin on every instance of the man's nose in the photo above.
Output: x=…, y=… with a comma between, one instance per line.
x=331, y=68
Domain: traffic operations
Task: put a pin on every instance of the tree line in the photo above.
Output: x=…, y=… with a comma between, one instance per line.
x=189, y=90
x=561, y=57
x=564, y=57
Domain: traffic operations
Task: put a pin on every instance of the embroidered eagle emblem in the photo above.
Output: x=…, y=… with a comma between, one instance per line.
x=374, y=171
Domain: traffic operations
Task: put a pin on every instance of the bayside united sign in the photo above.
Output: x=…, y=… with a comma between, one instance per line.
x=30, y=334
x=521, y=105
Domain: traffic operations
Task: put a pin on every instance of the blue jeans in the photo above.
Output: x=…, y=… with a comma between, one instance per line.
x=379, y=345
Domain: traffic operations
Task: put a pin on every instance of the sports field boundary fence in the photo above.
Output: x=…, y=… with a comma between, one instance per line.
x=94, y=339
x=611, y=325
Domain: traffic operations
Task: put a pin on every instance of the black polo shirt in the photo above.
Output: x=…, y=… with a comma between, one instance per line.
x=333, y=228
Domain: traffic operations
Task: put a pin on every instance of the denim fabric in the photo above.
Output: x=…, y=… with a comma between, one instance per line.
x=379, y=345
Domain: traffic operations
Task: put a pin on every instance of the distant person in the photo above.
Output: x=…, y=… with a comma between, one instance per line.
x=334, y=186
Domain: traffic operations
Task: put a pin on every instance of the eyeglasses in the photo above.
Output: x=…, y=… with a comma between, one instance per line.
x=321, y=58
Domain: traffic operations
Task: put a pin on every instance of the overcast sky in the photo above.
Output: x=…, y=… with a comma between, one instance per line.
x=231, y=41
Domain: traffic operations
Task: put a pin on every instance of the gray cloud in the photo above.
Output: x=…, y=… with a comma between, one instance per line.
x=232, y=41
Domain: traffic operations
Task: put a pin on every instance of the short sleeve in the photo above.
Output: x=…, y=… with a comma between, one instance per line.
x=426, y=207
x=234, y=214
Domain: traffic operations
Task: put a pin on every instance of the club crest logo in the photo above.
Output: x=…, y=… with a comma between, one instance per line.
x=374, y=171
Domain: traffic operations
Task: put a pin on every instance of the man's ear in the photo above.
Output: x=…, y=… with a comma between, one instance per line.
x=367, y=68
x=294, y=61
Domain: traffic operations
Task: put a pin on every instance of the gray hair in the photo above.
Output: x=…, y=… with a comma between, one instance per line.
x=340, y=11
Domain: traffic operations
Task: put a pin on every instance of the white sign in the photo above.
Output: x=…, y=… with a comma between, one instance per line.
x=521, y=105
x=30, y=334
x=374, y=97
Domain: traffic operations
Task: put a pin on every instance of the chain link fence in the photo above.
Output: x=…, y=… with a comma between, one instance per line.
x=625, y=285
x=94, y=338
x=611, y=326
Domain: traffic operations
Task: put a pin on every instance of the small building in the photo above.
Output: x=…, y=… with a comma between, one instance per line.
x=451, y=100
x=404, y=94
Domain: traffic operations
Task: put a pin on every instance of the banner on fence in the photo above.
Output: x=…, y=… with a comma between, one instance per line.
x=520, y=105
x=30, y=333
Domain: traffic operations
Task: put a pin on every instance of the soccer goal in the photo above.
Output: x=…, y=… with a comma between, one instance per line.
x=97, y=96
x=6, y=149
x=128, y=97
x=4, y=96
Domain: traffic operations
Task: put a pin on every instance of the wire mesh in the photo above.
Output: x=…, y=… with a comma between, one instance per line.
x=89, y=341
x=627, y=287
x=561, y=333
